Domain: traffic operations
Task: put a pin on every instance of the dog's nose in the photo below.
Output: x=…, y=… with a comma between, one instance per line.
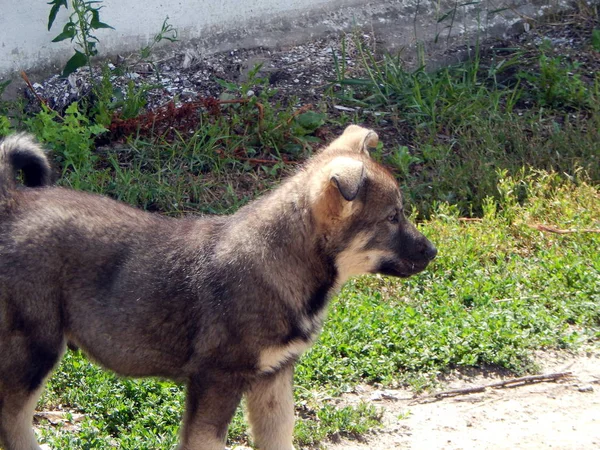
x=430, y=251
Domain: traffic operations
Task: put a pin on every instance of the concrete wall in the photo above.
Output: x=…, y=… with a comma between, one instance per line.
x=212, y=25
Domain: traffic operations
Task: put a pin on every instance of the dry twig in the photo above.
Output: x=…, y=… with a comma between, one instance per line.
x=551, y=229
x=32, y=89
x=514, y=382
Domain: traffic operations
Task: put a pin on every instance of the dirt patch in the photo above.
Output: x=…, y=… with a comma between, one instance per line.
x=564, y=414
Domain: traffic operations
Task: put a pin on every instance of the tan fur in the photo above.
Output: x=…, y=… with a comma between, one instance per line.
x=16, y=417
x=331, y=208
x=273, y=357
x=270, y=405
x=355, y=260
x=356, y=139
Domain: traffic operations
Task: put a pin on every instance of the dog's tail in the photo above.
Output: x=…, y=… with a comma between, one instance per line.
x=19, y=152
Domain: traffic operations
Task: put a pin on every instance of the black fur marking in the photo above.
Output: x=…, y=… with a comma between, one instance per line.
x=17, y=322
x=319, y=298
x=107, y=276
x=387, y=267
x=320, y=295
x=42, y=361
x=35, y=172
x=296, y=332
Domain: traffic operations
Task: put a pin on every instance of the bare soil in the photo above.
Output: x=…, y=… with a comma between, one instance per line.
x=564, y=414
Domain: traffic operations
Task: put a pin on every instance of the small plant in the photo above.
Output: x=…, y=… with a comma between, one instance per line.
x=4, y=121
x=167, y=32
x=402, y=160
x=596, y=39
x=82, y=23
x=104, y=98
x=4, y=125
x=557, y=83
x=269, y=126
x=71, y=138
x=132, y=101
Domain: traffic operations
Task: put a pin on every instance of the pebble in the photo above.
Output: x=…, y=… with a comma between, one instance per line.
x=586, y=388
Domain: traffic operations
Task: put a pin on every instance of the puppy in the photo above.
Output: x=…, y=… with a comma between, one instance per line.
x=224, y=304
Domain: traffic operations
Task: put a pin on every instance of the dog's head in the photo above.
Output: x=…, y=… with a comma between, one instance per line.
x=359, y=211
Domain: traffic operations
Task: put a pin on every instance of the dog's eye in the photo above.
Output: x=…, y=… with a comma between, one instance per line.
x=393, y=217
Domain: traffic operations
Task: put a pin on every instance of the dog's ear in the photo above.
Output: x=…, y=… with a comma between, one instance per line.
x=348, y=176
x=356, y=139
x=335, y=188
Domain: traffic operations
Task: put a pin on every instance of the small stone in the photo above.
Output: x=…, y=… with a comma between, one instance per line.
x=586, y=388
x=344, y=108
x=376, y=396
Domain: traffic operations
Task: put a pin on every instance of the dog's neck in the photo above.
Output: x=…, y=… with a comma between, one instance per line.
x=278, y=234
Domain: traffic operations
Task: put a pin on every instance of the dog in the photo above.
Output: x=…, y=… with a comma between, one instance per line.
x=224, y=304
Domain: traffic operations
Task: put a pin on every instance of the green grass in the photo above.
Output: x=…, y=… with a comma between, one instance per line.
x=498, y=290
x=504, y=109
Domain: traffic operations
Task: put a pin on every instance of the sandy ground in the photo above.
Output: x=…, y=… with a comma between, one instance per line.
x=563, y=414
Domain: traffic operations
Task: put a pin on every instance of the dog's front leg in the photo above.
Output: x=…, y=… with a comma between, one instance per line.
x=210, y=405
x=271, y=410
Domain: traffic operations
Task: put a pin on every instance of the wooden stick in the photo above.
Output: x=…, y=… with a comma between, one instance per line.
x=32, y=89
x=264, y=161
x=551, y=229
x=530, y=379
x=514, y=382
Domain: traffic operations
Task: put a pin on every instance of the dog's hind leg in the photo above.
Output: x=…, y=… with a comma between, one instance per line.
x=271, y=410
x=210, y=405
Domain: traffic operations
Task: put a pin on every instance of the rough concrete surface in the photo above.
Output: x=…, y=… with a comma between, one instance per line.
x=207, y=27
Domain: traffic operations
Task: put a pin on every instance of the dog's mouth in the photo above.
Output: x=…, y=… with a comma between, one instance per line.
x=401, y=268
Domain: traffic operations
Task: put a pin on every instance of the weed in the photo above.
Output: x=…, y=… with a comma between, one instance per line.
x=5, y=127
x=83, y=22
x=271, y=126
x=167, y=33
x=132, y=102
x=71, y=138
x=558, y=84
x=596, y=39
x=402, y=160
